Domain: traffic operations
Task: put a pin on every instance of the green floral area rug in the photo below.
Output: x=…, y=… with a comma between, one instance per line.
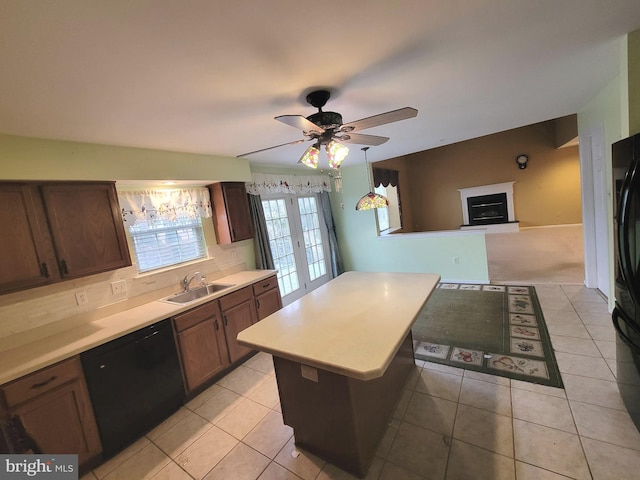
x=495, y=329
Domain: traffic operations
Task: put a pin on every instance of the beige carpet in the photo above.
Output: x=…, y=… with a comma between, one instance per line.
x=537, y=255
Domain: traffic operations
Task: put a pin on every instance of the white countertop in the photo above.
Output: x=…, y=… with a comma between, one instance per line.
x=46, y=351
x=352, y=325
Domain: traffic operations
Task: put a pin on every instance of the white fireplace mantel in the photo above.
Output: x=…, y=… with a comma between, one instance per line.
x=506, y=188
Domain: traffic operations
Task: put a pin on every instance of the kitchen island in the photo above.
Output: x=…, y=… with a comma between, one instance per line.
x=342, y=354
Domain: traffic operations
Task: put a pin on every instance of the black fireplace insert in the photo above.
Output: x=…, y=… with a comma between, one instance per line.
x=488, y=209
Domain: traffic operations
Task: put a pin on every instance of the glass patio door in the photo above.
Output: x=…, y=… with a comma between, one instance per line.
x=299, y=243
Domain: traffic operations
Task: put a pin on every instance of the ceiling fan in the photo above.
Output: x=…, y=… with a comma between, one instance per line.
x=326, y=128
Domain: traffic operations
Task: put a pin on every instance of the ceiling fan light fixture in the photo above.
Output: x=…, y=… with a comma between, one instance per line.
x=336, y=152
x=310, y=156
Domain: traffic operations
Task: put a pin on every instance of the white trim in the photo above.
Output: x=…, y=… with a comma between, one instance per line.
x=440, y=233
x=506, y=187
x=495, y=227
x=587, y=186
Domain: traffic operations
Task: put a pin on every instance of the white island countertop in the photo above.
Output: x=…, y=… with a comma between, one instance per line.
x=352, y=326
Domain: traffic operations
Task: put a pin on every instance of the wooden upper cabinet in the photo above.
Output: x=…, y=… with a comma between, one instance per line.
x=58, y=231
x=231, y=217
x=87, y=229
x=26, y=253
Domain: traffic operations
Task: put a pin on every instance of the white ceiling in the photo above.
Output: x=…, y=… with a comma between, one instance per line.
x=209, y=76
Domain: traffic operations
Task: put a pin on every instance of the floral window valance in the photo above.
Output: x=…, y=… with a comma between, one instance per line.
x=263, y=183
x=164, y=204
x=385, y=177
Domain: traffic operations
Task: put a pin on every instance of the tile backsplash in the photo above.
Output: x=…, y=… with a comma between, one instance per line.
x=45, y=307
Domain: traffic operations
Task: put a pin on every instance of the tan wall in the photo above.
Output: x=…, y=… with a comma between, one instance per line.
x=547, y=192
x=566, y=130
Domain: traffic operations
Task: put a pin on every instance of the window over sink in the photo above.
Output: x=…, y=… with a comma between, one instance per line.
x=165, y=225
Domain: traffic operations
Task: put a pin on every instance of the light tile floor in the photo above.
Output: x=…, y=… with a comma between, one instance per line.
x=449, y=424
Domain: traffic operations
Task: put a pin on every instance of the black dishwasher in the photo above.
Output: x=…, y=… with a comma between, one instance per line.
x=134, y=382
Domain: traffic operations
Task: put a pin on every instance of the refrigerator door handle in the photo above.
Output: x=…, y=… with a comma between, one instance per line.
x=624, y=213
x=618, y=315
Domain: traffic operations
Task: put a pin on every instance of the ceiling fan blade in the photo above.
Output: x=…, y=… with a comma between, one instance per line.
x=361, y=139
x=270, y=148
x=381, y=119
x=300, y=122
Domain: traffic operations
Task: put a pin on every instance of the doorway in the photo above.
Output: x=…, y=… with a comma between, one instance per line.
x=299, y=244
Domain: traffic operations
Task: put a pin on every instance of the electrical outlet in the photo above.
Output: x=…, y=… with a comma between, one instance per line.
x=456, y=260
x=81, y=298
x=119, y=288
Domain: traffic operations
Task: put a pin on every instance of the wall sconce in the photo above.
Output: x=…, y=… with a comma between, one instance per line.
x=522, y=160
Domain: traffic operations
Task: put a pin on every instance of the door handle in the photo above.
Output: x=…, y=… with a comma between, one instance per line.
x=624, y=214
x=615, y=317
x=44, y=270
x=46, y=382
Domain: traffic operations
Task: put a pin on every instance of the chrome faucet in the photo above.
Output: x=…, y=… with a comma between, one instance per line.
x=186, y=281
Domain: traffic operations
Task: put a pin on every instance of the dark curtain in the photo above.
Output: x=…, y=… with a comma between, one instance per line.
x=384, y=177
x=336, y=259
x=264, y=259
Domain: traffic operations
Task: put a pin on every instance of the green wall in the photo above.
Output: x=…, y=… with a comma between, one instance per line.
x=23, y=158
x=433, y=252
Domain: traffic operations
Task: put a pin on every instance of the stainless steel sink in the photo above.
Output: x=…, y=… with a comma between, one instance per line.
x=196, y=293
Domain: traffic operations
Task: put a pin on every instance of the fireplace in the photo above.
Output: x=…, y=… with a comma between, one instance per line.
x=489, y=207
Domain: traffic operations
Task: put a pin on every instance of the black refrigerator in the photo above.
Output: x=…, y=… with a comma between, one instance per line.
x=626, y=314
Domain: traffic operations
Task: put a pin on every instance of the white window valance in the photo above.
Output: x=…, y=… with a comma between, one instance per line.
x=164, y=204
x=264, y=183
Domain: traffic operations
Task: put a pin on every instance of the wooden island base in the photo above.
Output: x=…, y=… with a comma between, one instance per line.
x=339, y=418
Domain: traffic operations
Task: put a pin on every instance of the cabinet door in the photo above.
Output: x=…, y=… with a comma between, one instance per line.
x=203, y=352
x=87, y=229
x=237, y=319
x=61, y=421
x=26, y=252
x=232, y=220
x=268, y=302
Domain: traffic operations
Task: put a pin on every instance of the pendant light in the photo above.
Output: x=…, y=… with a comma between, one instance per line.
x=371, y=200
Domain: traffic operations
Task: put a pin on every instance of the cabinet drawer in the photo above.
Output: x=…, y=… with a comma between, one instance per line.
x=264, y=285
x=41, y=381
x=193, y=317
x=236, y=298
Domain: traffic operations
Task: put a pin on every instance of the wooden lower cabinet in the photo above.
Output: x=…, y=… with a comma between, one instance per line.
x=206, y=335
x=238, y=312
x=201, y=344
x=267, y=295
x=53, y=407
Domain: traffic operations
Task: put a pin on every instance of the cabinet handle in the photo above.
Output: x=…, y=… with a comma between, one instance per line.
x=63, y=267
x=42, y=384
x=44, y=270
x=257, y=303
x=226, y=322
x=266, y=285
x=215, y=323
